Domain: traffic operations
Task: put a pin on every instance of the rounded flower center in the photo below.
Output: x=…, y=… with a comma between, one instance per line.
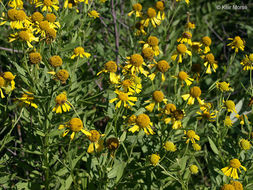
x=76, y=124
x=230, y=104
x=51, y=32
x=79, y=50
x=51, y=17
x=235, y=163
x=154, y=159
x=37, y=16
x=196, y=68
x=95, y=136
x=143, y=120
x=62, y=75
x=48, y=3
x=227, y=187
x=210, y=57
x=206, y=40
x=182, y=75
x=20, y=15
x=181, y=48
x=8, y=76
x=137, y=7
x=238, y=41
x=61, y=99
x=190, y=134
x=160, y=5
x=148, y=53
x=163, y=66
x=153, y=41
x=224, y=86
x=169, y=146
x=123, y=96
x=111, y=66
x=245, y=144
x=24, y=35
x=12, y=13
x=136, y=60
x=35, y=58
x=194, y=169
x=178, y=114
x=170, y=108
x=158, y=96
x=237, y=185
x=187, y=35
x=112, y=143
x=151, y=13
x=44, y=25
x=55, y=61
x=195, y=92
x=2, y=82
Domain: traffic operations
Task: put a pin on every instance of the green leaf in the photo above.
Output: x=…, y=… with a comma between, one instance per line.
x=213, y=146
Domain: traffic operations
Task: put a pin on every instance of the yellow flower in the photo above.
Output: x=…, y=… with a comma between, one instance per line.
x=93, y=14
x=228, y=122
x=55, y=61
x=136, y=9
x=152, y=42
x=7, y=83
x=196, y=47
x=230, y=105
x=210, y=63
x=190, y=25
x=35, y=57
x=196, y=146
x=176, y=116
x=51, y=18
x=62, y=104
x=237, y=185
x=123, y=98
x=245, y=144
x=191, y=135
x=130, y=85
x=242, y=118
x=79, y=51
x=151, y=17
x=187, y=1
x=142, y=122
x=194, y=169
x=158, y=97
x=206, y=42
x=62, y=75
x=170, y=146
x=97, y=144
x=28, y=98
x=186, y=38
x=17, y=19
x=227, y=187
x=48, y=5
x=37, y=17
x=184, y=77
x=247, y=63
x=161, y=66
x=24, y=35
x=237, y=43
x=134, y=65
x=160, y=6
x=231, y=170
x=223, y=86
x=154, y=159
x=112, y=143
x=75, y=125
x=195, y=92
x=207, y=115
x=2, y=86
x=111, y=67
x=181, y=51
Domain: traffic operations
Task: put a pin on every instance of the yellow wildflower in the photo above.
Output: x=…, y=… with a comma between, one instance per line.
x=161, y=67
x=123, y=98
x=230, y=105
x=97, y=144
x=231, y=170
x=245, y=144
x=93, y=14
x=158, y=97
x=206, y=42
x=151, y=17
x=135, y=63
x=195, y=92
x=186, y=38
x=210, y=63
x=237, y=43
x=79, y=51
x=24, y=35
x=111, y=67
x=27, y=97
x=136, y=9
x=160, y=6
x=170, y=146
x=184, y=77
x=247, y=63
x=223, y=86
x=48, y=5
x=154, y=159
x=180, y=52
x=191, y=135
x=62, y=104
x=142, y=122
x=194, y=169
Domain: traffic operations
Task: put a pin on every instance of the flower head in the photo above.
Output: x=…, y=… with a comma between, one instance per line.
x=62, y=104
x=185, y=38
x=170, y=146
x=245, y=144
x=237, y=43
x=223, y=86
x=161, y=66
x=247, y=63
x=97, y=144
x=35, y=57
x=194, y=169
x=47, y=5
x=75, y=125
x=28, y=98
x=79, y=52
x=195, y=92
x=123, y=98
x=230, y=105
x=180, y=52
x=55, y=61
x=136, y=9
x=93, y=14
x=158, y=97
x=210, y=63
x=154, y=159
x=206, y=42
x=231, y=170
x=62, y=75
x=142, y=122
x=160, y=6
x=135, y=63
x=191, y=135
x=151, y=17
